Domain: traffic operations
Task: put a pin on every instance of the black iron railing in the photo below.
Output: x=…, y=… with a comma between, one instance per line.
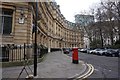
x=12, y=52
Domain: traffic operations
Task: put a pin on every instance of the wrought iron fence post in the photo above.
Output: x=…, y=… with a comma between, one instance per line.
x=24, y=51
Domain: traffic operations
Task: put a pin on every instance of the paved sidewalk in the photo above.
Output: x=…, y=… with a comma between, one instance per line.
x=55, y=65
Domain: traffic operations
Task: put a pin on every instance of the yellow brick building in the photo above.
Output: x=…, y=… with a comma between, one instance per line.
x=53, y=30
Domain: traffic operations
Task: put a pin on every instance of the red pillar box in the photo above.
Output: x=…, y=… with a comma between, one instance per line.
x=75, y=56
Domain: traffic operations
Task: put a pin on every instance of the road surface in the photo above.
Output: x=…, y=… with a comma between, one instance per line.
x=105, y=67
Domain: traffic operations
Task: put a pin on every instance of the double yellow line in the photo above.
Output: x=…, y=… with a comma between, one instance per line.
x=88, y=73
x=85, y=75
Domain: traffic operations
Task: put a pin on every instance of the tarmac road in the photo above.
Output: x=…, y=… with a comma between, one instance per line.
x=105, y=67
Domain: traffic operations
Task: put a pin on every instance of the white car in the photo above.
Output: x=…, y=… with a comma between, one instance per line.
x=92, y=51
x=83, y=50
x=100, y=51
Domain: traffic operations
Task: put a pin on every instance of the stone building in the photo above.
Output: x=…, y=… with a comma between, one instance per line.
x=84, y=21
x=16, y=21
x=53, y=30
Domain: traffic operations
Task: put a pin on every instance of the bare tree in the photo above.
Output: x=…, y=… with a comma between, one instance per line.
x=99, y=18
x=107, y=24
x=116, y=5
x=113, y=16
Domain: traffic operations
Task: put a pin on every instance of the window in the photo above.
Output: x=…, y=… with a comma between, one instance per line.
x=6, y=22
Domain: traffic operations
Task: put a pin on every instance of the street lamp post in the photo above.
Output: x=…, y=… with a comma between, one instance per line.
x=35, y=44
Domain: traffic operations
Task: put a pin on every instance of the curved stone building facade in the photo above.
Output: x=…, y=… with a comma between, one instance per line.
x=53, y=30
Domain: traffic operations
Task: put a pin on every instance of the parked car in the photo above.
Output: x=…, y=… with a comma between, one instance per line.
x=79, y=50
x=117, y=54
x=83, y=50
x=112, y=52
x=70, y=49
x=89, y=51
x=66, y=50
x=94, y=51
x=100, y=51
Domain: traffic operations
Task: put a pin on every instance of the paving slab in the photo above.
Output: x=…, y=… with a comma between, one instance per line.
x=54, y=65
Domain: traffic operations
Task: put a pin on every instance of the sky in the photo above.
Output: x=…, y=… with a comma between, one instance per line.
x=69, y=8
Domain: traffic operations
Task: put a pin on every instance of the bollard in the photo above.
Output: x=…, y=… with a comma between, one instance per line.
x=49, y=50
x=75, y=56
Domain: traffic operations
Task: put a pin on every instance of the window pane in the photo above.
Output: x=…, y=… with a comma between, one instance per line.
x=7, y=25
x=0, y=24
x=7, y=12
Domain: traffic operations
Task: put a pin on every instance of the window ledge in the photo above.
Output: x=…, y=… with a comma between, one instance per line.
x=5, y=35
